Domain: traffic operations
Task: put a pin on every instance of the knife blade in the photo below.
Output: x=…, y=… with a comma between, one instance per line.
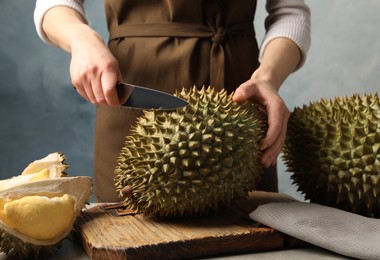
x=146, y=98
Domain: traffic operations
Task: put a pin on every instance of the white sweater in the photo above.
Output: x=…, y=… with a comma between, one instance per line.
x=286, y=18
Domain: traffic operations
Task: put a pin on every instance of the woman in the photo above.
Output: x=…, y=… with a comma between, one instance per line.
x=169, y=44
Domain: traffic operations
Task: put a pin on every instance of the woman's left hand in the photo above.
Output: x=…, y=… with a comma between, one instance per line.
x=260, y=91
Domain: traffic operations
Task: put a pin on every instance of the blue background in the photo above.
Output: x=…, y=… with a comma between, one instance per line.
x=40, y=112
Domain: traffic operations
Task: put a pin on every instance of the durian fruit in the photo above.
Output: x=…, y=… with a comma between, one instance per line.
x=52, y=166
x=39, y=207
x=194, y=160
x=333, y=150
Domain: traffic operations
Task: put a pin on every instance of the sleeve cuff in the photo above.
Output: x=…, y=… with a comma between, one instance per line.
x=293, y=31
x=288, y=19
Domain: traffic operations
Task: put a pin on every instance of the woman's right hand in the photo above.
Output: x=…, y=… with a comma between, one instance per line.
x=94, y=70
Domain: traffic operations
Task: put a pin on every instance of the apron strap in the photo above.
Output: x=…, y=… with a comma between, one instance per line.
x=214, y=31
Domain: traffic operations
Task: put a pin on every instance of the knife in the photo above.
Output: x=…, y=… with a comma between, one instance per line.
x=145, y=98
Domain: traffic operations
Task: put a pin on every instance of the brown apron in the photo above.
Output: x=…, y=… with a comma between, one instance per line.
x=167, y=45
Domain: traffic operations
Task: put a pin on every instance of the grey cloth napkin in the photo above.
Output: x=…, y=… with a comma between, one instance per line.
x=330, y=228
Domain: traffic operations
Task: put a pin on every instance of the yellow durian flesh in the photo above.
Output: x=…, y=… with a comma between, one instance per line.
x=47, y=196
x=39, y=217
x=39, y=207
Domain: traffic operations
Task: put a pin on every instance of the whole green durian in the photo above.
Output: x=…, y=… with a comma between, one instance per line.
x=193, y=160
x=333, y=150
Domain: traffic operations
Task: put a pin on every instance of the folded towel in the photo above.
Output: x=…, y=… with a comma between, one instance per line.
x=330, y=228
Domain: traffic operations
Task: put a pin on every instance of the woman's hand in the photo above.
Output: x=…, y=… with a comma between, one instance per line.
x=281, y=57
x=94, y=70
x=263, y=93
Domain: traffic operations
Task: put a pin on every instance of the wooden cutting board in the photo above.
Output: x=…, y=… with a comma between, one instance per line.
x=105, y=234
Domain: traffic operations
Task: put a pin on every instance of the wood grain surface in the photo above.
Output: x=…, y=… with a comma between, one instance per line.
x=107, y=235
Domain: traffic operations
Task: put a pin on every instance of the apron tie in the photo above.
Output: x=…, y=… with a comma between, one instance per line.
x=219, y=34
x=216, y=34
x=217, y=59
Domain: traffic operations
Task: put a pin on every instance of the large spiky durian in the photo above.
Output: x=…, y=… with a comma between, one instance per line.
x=39, y=207
x=193, y=160
x=333, y=150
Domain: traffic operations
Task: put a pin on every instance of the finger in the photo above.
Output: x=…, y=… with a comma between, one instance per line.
x=93, y=87
x=97, y=89
x=81, y=81
x=244, y=92
x=270, y=155
x=109, y=80
x=275, y=120
x=81, y=92
x=89, y=93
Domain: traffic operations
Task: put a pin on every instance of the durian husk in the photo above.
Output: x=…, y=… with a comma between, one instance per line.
x=50, y=167
x=55, y=162
x=194, y=160
x=35, y=184
x=332, y=150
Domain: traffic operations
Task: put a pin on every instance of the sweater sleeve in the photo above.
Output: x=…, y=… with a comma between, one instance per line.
x=289, y=19
x=42, y=6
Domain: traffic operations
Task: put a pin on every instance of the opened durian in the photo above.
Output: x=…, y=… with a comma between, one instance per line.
x=194, y=160
x=333, y=150
x=39, y=207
